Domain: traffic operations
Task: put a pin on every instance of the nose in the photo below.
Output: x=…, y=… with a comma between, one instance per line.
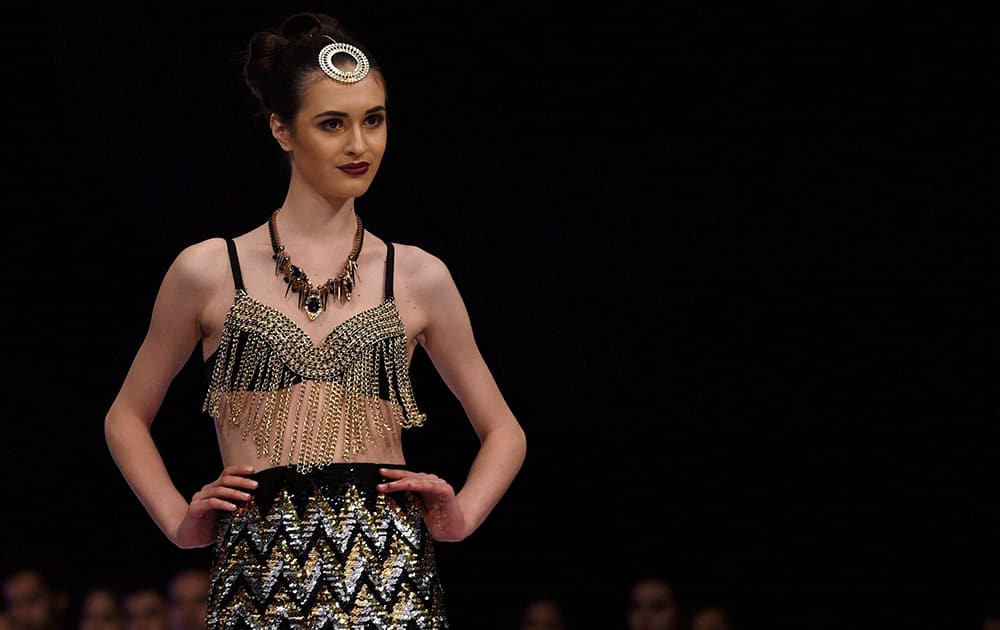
x=356, y=144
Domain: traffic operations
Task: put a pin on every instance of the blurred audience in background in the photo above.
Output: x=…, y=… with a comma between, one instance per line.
x=991, y=620
x=100, y=609
x=145, y=607
x=712, y=616
x=652, y=604
x=32, y=600
x=187, y=598
x=544, y=611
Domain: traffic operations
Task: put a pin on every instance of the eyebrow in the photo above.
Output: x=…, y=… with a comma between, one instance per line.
x=331, y=112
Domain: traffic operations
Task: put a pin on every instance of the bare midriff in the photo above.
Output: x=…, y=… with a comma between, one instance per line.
x=313, y=432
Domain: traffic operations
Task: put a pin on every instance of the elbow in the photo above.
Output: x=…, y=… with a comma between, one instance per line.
x=509, y=438
x=118, y=426
x=112, y=430
x=110, y=424
x=113, y=422
x=518, y=442
x=524, y=446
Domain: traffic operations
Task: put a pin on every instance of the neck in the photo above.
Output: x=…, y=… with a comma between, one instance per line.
x=308, y=216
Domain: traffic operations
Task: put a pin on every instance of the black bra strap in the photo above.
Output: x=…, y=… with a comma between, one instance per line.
x=234, y=264
x=388, y=270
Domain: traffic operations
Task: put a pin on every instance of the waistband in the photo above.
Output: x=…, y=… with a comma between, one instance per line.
x=328, y=480
x=359, y=471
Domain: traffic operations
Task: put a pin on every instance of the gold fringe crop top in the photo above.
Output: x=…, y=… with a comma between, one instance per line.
x=296, y=399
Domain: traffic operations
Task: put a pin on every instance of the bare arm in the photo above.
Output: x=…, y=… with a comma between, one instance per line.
x=173, y=333
x=449, y=341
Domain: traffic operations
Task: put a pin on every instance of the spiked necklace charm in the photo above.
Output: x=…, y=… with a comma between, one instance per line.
x=313, y=300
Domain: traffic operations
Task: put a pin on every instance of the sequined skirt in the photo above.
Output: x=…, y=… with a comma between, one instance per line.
x=325, y=550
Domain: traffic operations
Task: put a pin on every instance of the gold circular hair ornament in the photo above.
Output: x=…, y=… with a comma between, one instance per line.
x=334, y=48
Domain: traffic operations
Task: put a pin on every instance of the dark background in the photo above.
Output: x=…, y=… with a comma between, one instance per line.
x=729, y=265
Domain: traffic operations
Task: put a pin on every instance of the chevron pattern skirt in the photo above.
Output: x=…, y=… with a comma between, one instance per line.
x=325, y=550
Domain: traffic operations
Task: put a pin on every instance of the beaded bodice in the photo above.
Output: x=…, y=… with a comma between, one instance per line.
x=298, y=400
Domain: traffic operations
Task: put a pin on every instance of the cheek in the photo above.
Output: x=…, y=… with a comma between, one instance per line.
x=378, y=144
x=313, y=153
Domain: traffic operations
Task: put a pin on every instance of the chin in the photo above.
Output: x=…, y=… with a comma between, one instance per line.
x=358, y=190
x=346, y=192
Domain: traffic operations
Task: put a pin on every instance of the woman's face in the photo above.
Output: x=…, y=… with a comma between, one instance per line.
x=339, y=135
x=542, y=614
x=100, y=611
x=652, y=606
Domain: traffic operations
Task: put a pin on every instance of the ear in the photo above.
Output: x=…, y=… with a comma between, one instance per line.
x=281, y=132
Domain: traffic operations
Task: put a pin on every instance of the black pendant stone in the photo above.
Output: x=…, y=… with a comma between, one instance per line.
x=313, y=305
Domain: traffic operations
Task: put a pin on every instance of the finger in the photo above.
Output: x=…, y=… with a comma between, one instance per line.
x=220, y=492
x=238, y=469
x=202, y=506
x=219, y=504
x=435, y=487
x=399, y=473
x=230, y=493
x=395, y=473
x=234, y=481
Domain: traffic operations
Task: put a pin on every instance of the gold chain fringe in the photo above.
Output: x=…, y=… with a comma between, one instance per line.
x=263, y=356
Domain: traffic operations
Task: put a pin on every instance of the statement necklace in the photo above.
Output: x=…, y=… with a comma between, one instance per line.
x=312, y=299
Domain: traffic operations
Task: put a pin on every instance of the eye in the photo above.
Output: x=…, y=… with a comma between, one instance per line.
x=375, y=120
x=332, y=123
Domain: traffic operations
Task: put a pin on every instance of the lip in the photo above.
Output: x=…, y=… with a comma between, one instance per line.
x=355, y=168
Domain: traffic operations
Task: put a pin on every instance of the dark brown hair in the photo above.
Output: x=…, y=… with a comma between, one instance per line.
x=278, y=63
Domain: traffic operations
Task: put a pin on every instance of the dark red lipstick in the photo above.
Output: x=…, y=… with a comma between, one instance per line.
x=355, y=168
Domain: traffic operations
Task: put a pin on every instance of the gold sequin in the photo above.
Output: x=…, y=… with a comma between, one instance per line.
x=325, y=549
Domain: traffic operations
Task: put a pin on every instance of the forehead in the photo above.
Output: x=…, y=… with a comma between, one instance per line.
x=99, y=597
x=322, y=93
x=542, y=608
x=143, y=598
x=25, y=580
x=652, y=590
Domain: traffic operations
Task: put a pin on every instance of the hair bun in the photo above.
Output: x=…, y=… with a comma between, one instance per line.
x=265, y=45
x=262, y=51
x=276, y=59
x=305, y=24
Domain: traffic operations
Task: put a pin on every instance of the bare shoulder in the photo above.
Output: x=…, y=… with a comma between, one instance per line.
x=421, y=271
x=201, y=266
x=426, y=293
